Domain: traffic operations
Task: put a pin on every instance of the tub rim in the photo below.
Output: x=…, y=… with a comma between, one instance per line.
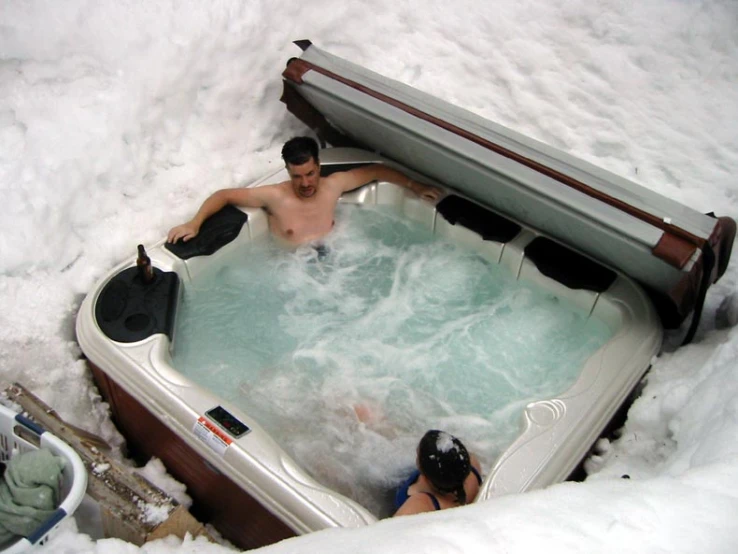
x=558, y=429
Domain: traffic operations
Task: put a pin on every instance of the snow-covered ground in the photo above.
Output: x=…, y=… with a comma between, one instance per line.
x=118, y=118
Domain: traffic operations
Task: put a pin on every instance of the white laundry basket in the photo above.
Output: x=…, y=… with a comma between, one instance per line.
x=19, y=435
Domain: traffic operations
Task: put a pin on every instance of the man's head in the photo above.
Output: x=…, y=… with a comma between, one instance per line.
x=299, y=150
x=300, y=155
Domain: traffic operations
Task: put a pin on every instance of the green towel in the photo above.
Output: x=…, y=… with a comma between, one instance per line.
x=29, y=492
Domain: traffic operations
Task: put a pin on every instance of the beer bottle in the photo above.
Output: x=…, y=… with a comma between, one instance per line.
x=145, y=269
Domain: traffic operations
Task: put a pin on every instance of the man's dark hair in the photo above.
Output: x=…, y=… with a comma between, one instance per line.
x=299, y=150
x=444, y=460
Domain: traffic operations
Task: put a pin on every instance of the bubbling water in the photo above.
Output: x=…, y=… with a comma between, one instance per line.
x=347, y=354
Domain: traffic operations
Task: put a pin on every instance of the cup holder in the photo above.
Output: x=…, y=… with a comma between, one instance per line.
x=137, y=322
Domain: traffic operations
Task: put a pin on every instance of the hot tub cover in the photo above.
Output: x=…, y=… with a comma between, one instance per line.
x=673, y=250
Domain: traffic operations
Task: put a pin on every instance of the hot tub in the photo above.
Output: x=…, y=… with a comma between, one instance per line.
x=241, y=479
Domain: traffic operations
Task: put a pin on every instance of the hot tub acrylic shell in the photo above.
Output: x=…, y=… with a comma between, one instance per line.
x=556, y=433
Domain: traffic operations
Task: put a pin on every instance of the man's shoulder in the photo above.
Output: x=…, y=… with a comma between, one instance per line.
x=335, y=181
x=274, y=186
x=259, y=196
x=272, y=189
x=350, y=178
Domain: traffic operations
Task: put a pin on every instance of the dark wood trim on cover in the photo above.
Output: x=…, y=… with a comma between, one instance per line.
x=721, y=240
x=673, y=250
x=305, y=112
x=216, y=499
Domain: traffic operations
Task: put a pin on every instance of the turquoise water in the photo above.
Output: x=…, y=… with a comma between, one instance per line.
x=347, y=359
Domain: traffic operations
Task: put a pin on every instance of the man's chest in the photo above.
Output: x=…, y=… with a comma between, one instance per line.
x=304, y=212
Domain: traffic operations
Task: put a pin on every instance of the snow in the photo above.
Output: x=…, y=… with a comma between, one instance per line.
x=155, y=472
x=445, y=442
x=118, y=118
x=99, y=469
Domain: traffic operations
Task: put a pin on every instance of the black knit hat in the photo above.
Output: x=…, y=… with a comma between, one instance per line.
x=444, y=460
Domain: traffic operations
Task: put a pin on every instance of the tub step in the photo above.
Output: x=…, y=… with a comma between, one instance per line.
x=123, y=496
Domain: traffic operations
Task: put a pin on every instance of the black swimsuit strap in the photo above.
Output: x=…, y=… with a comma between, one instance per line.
x=436, y=504
x=476, y=474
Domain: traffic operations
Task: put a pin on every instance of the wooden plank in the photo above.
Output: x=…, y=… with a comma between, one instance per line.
x=238, y=516
x=126, y=498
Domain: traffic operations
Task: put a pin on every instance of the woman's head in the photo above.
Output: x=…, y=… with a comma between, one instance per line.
x=445, y=462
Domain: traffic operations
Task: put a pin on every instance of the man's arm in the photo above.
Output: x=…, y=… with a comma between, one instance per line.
x=354, y=178
x=252, y=198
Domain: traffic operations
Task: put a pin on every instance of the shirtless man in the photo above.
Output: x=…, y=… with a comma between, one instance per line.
x=299, y=210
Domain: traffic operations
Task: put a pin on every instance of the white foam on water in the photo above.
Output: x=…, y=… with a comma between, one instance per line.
x=347, y=358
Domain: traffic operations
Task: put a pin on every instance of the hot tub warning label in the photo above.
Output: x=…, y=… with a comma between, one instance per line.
x=208, y=433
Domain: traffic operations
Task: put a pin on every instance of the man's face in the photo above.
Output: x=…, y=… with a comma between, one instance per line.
x=305, y=178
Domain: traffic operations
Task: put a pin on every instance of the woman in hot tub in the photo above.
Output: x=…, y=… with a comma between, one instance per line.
x=447, y=476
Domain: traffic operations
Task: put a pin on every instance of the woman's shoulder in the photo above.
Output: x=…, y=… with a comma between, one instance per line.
x=418, y=503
